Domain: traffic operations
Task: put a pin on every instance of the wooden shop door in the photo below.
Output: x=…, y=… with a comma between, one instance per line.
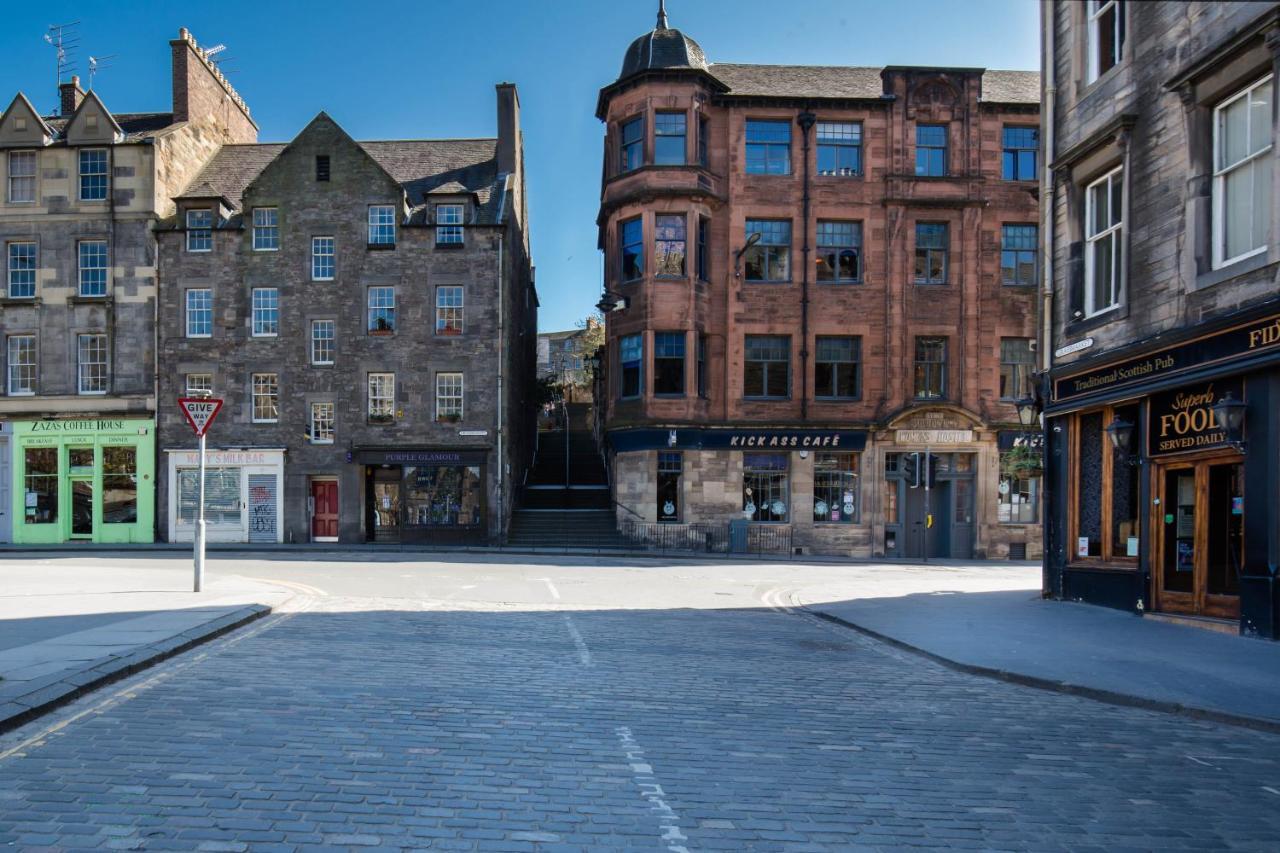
x=1200, y=526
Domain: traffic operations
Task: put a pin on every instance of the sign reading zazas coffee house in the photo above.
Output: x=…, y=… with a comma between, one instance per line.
x=1183, y=419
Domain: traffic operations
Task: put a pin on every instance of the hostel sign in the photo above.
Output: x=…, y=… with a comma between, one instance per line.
x=1183, y=420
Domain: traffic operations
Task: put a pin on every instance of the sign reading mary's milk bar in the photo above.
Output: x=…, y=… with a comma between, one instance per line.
x=1237, y=342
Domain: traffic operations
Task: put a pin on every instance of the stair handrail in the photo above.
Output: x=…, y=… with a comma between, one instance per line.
x=618, y=503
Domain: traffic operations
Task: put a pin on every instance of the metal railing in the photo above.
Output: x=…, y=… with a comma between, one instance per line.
x=705, y=538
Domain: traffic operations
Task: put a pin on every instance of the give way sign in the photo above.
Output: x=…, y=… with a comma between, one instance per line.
x=200, y=412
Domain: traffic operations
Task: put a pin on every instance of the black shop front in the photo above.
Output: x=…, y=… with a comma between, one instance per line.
x=1163, y=470
x=425, y=495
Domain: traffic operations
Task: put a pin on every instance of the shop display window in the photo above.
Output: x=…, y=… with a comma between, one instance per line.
x=443, y=496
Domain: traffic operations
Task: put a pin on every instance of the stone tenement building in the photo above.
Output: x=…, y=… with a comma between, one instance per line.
x=83, y=189
x=1163, y=350
x=821, y=273
x=367, y=311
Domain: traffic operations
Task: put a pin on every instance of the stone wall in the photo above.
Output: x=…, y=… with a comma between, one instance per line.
x=414, y=353
x=1167, y=146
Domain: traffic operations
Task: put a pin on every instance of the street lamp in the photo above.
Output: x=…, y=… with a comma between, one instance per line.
x=737, y=256
x=1027, y=413
x=612, y=302
x=1120, y=432
x=1229, y=413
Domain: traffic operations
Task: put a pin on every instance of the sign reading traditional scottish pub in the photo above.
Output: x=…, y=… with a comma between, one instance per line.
x=1183, y=419
x=1242, y=341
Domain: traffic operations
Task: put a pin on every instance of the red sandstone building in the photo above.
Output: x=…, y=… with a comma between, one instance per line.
x=817, y=274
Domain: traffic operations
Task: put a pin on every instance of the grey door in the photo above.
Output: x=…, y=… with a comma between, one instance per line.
x=961, y=505
x=923, y=540
x=262, y=508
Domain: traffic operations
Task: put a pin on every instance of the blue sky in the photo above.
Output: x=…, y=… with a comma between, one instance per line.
x=426, y=69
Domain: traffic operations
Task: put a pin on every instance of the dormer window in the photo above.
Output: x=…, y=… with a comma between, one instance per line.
x=22, y=176
x=449, y=223
x=199, y=230
x=632, y=146
x=93, y=174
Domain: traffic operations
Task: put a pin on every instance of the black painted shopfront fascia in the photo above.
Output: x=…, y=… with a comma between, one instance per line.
x=425, y=494
x=1170, y=380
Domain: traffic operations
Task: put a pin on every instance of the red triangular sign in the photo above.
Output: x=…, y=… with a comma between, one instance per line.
x=199, y=412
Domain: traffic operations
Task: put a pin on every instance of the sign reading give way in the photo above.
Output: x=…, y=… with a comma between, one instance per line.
x=200, y=412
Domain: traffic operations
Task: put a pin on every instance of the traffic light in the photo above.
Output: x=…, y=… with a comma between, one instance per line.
x=911, y=469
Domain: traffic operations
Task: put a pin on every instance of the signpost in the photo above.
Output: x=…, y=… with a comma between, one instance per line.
x=200, y=412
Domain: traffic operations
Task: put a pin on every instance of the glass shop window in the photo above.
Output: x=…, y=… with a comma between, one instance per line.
x=766, y=492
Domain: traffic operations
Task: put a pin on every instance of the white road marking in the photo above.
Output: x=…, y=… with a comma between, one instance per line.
x=1271, y=790
x=1198, y=761
x=647, y=782
x=555, y=593
x=584, y=654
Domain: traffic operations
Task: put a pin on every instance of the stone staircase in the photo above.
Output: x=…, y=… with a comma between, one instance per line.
x=566, y=502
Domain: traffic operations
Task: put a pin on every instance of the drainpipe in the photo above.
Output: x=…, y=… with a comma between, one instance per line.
x=111, y=279
x=1048, y=203
x=806, y=120
x=1048, y=188
x=502, y=355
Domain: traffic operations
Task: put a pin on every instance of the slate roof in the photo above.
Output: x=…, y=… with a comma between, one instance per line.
x=421, y=166
x=839, y=81
x=136, y=126
x=662, y=48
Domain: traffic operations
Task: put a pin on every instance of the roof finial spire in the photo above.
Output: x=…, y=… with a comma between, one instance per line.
x=662, y=15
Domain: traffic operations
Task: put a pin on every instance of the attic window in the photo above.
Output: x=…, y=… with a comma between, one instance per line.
x=91, y=122
x=20, y=123
x=322, y=167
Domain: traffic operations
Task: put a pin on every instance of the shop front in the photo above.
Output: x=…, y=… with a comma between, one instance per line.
x=81, y=480
x=1164, y=465
x=805, y=488
x=242, y=495
x=425, y=495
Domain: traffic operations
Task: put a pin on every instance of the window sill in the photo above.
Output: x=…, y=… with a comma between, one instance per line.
x=840, y=282
x=89, y=300
x=322, y=364
x=450, y=246
x=1085, y=324
x=381, y=247
x=1251, y=264
x=199, y=251
x=837, y=400
x=931, y=283
x=783, y=281
x=747, y=399
x=857, y=176
x=769, y=174
x=276, y=249
x=382, y=334
x=672, y=396
x=20, y=300
x=322, y=279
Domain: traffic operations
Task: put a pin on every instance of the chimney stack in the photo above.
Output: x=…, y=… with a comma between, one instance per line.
x=72, y=95
x=510, y=142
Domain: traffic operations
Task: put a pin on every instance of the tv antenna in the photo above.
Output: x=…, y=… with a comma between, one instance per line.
x=99, y=63
x=65, y=40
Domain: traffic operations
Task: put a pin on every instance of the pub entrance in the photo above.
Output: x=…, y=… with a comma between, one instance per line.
x=1200, y=529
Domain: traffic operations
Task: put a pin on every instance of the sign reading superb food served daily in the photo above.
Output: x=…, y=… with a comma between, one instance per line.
x=1237, y=342
x=1183, y=419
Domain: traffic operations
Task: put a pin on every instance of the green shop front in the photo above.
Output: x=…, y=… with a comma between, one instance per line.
x=83, y=480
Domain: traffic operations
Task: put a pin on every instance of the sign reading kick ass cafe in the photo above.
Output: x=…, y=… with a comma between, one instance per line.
x=1183, y=419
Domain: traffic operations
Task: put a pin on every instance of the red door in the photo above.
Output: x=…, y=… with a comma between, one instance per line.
x=324, y=517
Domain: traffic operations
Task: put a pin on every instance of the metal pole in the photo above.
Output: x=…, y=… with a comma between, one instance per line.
x=564, y=405
x=928, y=519
x=199, y=543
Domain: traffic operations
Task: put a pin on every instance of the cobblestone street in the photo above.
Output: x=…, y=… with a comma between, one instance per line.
x=350, y=722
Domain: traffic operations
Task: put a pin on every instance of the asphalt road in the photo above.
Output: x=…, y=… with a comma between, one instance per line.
x=514, y=706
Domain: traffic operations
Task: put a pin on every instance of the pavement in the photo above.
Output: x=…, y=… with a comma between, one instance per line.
x=71, y=626
x=577, y=705
x=998, y=625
